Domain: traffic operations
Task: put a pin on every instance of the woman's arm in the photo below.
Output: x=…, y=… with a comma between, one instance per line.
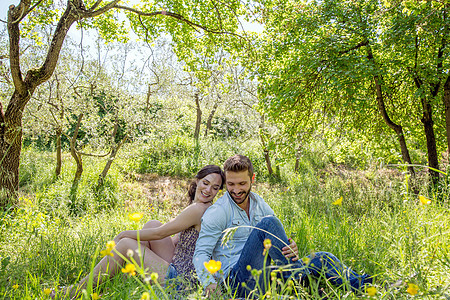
x=190, y=216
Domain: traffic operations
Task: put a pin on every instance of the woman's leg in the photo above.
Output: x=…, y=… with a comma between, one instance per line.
x=111, y=265
x=164, y=248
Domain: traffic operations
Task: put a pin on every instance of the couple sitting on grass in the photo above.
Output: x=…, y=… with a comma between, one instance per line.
x=201, y=227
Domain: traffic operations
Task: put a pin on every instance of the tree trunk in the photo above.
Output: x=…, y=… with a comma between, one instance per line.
x=112, y=156
x=11, y=120
x=10, y=149
x=297, y=158
x=147, y=102
x=264, y=146
x=382, y=109
x=58, y=151
x=427, y=120
x=210, y=117
x=77, y=157
x=199, y=117
x=447, y=111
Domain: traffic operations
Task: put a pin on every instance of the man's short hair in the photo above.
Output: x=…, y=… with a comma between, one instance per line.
x=238, y=163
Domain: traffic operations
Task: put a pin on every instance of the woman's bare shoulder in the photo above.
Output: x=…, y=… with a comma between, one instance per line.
x=198, y=208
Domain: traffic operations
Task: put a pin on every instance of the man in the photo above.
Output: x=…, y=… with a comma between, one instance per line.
x=239, y=207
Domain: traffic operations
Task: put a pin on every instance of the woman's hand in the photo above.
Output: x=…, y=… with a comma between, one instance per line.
x=122, y=235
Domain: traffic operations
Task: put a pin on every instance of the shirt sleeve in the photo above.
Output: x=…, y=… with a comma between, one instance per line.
x=265, y=208
x=268, y=211
x=213, y=223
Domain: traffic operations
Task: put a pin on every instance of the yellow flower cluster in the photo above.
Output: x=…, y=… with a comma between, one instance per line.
x=95, y=296
x=212, y=266
x=424, y=200
x=371, y=291
x=130, y=269
x=306, y=260
x=412, y=289
x=109, y=247
x=154, y=276
x=136, y=217
x=267, y=244
x=145, y=296
x=338, y=201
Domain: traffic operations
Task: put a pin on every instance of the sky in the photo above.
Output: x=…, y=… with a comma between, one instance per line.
x=4, y=4
x=89, y=39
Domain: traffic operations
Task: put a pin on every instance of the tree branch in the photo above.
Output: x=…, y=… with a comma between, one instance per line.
x=103, y=9
x=96, y=4
x=361, y=44
x=31, y=9
x=178, y=17
x=15, y=13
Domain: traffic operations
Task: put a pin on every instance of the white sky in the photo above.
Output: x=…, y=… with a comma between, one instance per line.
x=4, y=5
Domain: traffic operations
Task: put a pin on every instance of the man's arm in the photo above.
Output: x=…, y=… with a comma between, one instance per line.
x=288, y=251
x=213, y=223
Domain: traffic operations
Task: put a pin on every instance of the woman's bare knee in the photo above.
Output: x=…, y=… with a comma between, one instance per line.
x=152, y=224
x=126, y=244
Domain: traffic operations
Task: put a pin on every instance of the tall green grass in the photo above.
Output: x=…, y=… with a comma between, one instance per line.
x=381, y=228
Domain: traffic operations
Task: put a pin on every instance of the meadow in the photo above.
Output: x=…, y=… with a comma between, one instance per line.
x=381, y=227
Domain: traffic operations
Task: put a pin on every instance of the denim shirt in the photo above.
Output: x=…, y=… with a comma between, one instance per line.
x=223, y=214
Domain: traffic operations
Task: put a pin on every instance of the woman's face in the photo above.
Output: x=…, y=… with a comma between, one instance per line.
x=207, y=188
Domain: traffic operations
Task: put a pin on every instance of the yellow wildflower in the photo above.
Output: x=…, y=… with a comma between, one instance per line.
x=306, y=260
x=212, y=266
x=47, y=291
x=371, y=291
x=145, y=296
x=16, y=286
x=130, y=269
x=136, y=217
x=412, y=289
x=95, y=296
x=267, y=244
x=154, y=276
x=106, y=252
x=338, y=201
x=424, y=200
x=109, y=247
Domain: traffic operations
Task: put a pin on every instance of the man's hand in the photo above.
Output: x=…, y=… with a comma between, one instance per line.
x=291, y=250
x=212, y=290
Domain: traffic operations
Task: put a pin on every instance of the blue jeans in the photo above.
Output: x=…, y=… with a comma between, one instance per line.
x=320, y=263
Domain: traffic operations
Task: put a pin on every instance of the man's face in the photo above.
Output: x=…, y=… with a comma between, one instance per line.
x=238, y=185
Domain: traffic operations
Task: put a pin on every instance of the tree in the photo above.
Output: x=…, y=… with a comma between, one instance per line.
x=188, y=23
x=358, y=62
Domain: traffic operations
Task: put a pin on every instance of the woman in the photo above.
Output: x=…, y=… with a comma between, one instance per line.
x=169, y=257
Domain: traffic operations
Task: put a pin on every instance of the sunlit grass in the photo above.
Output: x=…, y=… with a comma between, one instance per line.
x=381, y=227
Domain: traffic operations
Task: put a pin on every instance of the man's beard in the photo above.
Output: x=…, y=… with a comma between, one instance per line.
x=245, y=194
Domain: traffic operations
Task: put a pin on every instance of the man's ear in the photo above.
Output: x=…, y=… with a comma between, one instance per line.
x=253, y=178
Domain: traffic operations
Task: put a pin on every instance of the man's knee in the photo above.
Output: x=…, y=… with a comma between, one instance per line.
x=268, y=222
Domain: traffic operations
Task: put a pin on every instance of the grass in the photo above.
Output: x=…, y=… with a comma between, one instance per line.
x=381, y=228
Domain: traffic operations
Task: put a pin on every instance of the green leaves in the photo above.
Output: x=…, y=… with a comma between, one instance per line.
x=316, y=62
